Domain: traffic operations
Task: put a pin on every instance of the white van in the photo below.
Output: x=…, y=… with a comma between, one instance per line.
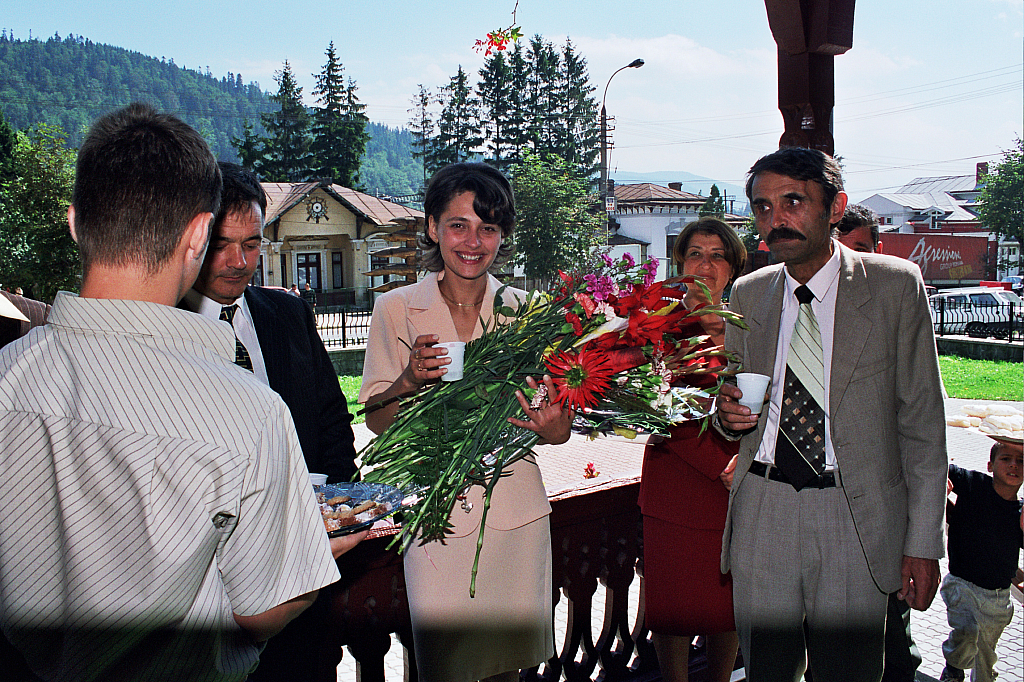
x=978, y=312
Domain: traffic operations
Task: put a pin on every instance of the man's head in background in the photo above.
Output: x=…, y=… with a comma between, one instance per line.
x=858, y=229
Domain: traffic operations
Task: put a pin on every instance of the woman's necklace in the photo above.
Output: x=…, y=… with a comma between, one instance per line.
x=461, y=305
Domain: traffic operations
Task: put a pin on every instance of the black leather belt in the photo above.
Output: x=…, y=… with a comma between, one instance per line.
x=825, y=480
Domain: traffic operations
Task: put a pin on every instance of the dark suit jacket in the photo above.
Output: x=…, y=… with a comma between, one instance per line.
x=885, y=402
x=300, y=370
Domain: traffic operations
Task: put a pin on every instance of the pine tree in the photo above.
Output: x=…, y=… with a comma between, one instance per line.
x=328, y=121
x=458, y=127
x=542, y=103
x=355, y=136
x=287, y=144
x=578, y=133
x=496, y=102
x=715, y=205
x=251, y=149
x=422, y=127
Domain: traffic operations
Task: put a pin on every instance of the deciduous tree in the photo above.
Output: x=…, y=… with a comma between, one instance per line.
x=556, y=228
x=36, y=250
x=1001, y=205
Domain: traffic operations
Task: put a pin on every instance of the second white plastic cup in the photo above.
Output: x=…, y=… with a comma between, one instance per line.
x=457, y=352
x=753, y=387
x=318, y=479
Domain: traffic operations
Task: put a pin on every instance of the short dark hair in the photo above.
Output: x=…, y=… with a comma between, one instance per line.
x=859, y=216
x=735, y=252
x=493, y=201
x=996, y=448
x=801, y=164
x=141, y=177
x=241, y=188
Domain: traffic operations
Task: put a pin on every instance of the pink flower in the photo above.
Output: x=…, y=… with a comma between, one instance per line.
x=650, y=272
x=601, y=286
x=628, y=258
x=607, y=260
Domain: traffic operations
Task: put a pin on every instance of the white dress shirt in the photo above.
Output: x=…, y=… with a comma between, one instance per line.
x=245, y=331
x=823, y=285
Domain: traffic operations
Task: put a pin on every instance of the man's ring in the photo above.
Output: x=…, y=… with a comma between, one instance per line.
x=419, y=366
x=416, y=354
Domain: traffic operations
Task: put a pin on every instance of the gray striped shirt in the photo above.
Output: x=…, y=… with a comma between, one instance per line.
x=149, y=488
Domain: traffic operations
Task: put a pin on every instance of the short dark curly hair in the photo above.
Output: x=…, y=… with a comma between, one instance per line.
x=493, y=201
x=801, y=164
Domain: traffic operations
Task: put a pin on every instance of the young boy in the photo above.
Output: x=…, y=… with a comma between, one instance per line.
x=985, y=539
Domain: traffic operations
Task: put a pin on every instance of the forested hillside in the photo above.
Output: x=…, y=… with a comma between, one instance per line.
x=388, y=166
x=70, y=81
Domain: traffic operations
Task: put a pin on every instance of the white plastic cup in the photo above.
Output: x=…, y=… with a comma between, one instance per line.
x=754, y=387
x=318, y=479
x=457, y=352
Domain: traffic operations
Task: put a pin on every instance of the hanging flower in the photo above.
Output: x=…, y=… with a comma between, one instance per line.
x=628, y=259
x=580, y=377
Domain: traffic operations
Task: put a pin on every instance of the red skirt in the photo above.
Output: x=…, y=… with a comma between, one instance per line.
x=685, y=591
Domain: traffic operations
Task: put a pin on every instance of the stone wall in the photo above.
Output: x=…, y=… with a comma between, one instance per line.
x=348, y=361
x=980, y=349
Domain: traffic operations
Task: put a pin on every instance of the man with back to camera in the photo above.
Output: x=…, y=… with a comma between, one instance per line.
x=276, y=338
x=835, y=502
x=157, y=519
x=276, y=332
x=858, y=229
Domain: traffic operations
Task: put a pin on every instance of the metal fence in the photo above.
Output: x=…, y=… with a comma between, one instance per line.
x=977, y=320
x=340, y=327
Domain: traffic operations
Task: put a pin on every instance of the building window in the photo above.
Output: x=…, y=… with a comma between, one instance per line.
x=308, y=267
x=284, y=270
x=337, y=273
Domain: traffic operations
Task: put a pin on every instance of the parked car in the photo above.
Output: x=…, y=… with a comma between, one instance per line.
x=978, y=312
x=1016, y=283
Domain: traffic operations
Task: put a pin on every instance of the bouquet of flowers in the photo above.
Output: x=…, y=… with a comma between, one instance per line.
x=613, y=340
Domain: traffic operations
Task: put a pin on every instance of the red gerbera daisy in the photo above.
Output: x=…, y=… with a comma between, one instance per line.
x=580, y=377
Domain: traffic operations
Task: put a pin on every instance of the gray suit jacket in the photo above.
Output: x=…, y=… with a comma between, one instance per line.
x=885, y=403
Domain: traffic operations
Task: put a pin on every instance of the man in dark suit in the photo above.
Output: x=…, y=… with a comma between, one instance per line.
x=839, y=487
x=276, y=338
x=276, y=332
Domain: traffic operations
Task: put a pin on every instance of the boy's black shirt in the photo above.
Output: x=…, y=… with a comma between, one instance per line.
x=984, y=531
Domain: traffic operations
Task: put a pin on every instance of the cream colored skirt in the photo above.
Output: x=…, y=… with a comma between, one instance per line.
x=507, y=626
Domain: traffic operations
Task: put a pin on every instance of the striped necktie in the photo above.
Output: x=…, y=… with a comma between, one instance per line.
x=242, y=359
x=800, y=446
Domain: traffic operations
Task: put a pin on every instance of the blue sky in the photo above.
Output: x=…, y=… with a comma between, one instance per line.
x=929, y=88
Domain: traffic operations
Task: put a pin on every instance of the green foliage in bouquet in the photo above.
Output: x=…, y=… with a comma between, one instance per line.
x=611, y=341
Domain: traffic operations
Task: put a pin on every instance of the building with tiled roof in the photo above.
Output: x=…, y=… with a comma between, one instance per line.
x=941, y=206
x=345, y=243
x=647, y=218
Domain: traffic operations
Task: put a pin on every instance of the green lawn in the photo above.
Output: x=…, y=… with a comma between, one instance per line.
x=970, y=379
x=981, y=379
x=350, y=387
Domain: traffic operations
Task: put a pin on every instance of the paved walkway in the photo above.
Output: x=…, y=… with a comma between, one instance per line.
x=563, y=468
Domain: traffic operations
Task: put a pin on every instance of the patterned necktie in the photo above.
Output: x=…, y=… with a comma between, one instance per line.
x=800, y=446
x=242, y=359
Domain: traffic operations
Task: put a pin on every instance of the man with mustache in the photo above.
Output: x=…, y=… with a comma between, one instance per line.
x=839, y=488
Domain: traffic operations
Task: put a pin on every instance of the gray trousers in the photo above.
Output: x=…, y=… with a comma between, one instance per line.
x=978, y=617
x=796, y=558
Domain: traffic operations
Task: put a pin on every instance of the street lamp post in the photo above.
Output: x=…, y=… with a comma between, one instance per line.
x=603, y=189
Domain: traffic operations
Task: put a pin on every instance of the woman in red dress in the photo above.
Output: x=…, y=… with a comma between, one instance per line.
x=684, y=492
